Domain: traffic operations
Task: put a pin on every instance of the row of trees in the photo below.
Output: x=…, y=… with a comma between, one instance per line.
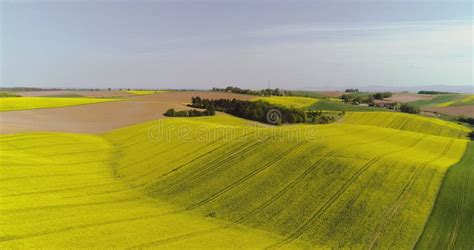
x=262, y=92
x=190, y=113
x=257, y=111
x=352, y=91
x=465, y=119
x=430, y=92
x=357, y=98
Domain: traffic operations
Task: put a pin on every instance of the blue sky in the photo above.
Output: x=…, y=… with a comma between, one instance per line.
x=200, y=44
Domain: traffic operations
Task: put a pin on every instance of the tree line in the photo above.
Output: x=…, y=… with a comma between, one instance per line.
x=257, y=110
x=430, y=92
x=262, y=92
x=357, y=98
x=210, y=111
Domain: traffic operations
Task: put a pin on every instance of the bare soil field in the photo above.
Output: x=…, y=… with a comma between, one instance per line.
x=102, y=117
x=452, y=111
x=408, y=97
x=85, y=93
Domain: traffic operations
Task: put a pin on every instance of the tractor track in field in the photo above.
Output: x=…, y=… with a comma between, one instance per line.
x=313, y=167
x=154, y=156
x=180, y=237
x=84, y=226
x=245, y=178
x=60, y=190
x=456, y=185
x=228, y=156
x=254, y=211
x=206, y=146
x=460, y=202
x=51, y=176
x=399, y=201
x=247, y=146
x=61, y=206
x=295, y=235
x=53, y=164
x=164, y=152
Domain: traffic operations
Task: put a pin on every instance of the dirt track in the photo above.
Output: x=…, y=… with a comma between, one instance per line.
x=102, y=117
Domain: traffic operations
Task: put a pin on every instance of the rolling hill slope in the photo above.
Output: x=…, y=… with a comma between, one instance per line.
x=345, y=185
x=408, y=122
x=451, y=224
x=222, y=182
x=446, y=100
x=289, y=101
x=58, y=191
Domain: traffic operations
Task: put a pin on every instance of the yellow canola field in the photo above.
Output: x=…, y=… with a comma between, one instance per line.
x=21, y=103
x=339, y=185
x=220, y=182
x=408, y=122
x=289, y=101
x=62, y=190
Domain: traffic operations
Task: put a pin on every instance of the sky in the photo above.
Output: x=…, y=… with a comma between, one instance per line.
x=251, y=44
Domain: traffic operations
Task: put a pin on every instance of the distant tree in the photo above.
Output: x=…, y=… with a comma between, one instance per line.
x=471, y=135
x=211, y=110
x=370, y=99
x=352, y=90
x=408, y=108
x=465, y=119
x=378, y=96
x=170, y=112
x=346, y=98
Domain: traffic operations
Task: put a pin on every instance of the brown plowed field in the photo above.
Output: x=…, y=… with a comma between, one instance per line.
x=102, y=117
x=408, y=97
x=452, y=110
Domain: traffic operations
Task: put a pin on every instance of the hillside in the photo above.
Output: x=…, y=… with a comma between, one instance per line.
x=289, y=101
x=451, y=224
x=408, y=122
x=72, y=199
x=331, y=189
x=222, y=182
x=447, y=100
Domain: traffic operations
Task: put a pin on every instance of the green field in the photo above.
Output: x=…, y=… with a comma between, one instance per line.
x=21, y=103
x=446, y=100
x=451, y=224
x=220, y=182
x=289, y=101
x=312, y=94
